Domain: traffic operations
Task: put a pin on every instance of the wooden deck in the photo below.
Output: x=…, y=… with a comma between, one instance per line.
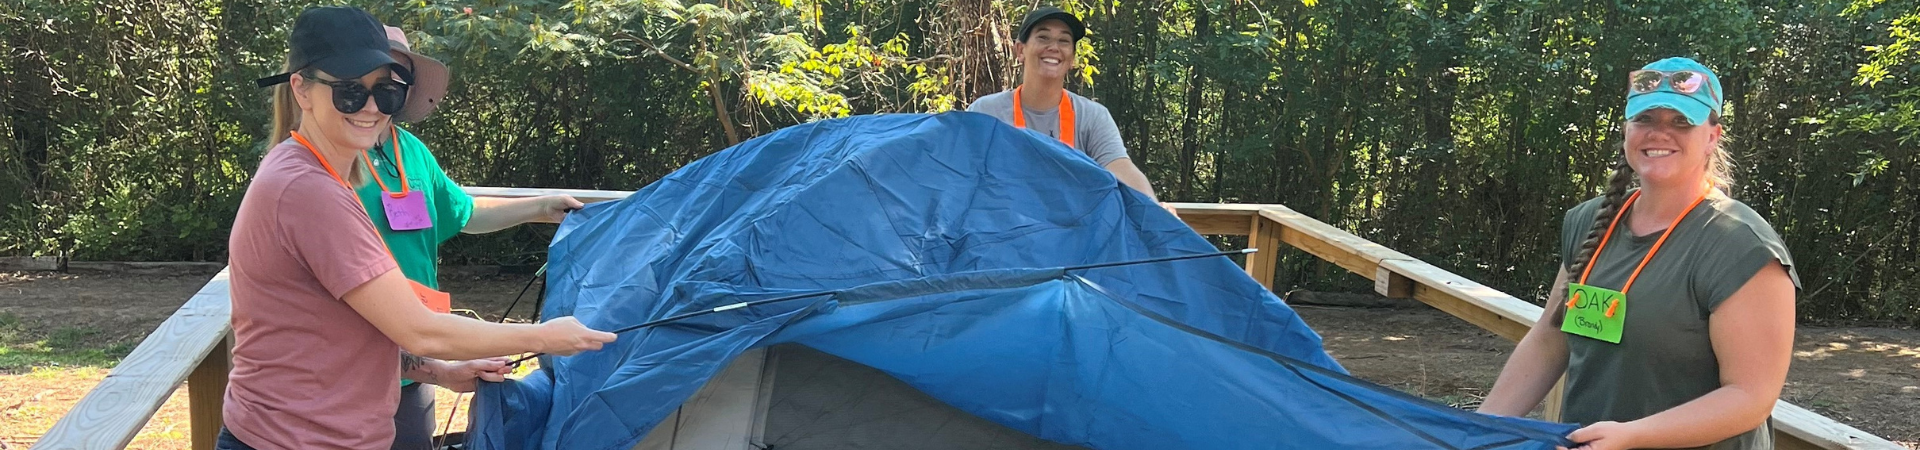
x=193, y=346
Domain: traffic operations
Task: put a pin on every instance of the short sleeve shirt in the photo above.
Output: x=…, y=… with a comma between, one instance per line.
x=1096, y=134
x=308, y=370
x=1665, y=356
x=417, y=250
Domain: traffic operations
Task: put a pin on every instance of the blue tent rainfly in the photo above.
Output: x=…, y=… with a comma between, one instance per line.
x=944, y=237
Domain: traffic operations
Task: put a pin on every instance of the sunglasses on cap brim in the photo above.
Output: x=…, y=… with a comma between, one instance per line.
x=1682, y=81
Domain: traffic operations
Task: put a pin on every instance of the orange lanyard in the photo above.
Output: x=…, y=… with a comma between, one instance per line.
x=323, y=160
x=434, y=299
x=1066, y=115
x=343, y=183
x=1656, y=244
x=398, y=165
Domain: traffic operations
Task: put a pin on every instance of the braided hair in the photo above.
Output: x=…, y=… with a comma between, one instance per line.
x=1616, y=195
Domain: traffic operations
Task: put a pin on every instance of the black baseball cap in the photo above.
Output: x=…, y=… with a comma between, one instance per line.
x=1043, y=14
x=342, y=41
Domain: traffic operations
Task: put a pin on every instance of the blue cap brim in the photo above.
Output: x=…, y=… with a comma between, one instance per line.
x=1696, y=112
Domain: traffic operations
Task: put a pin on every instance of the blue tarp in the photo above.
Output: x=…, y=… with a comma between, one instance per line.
x=944, y=237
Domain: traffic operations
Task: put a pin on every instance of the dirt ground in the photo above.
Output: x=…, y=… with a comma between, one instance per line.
x=60, y=333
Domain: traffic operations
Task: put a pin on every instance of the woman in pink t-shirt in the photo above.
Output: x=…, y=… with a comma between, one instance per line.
x=316, y=294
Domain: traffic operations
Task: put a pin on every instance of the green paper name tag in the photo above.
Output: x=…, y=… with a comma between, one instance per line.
x=1595, y=312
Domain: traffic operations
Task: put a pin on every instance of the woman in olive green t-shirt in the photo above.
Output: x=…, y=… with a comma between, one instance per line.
x=1699, y=354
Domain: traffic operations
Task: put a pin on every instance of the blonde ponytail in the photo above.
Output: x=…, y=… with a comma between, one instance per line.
x=286, y=112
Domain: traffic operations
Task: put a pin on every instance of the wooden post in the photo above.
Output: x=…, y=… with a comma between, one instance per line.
x=206, y=394
x=1253, y=240
x=1261, y=264
x=1392, y=285
x=1270, y=245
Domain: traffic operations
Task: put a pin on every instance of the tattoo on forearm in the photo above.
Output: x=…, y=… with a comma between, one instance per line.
x=409, y=361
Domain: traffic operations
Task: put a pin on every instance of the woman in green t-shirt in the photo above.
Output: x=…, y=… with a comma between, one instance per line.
x=416, y=207
x=1698, y=356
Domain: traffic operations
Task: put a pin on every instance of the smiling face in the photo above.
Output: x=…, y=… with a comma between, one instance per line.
x=1048, y=51
x=358, y=130
x=1665, y=149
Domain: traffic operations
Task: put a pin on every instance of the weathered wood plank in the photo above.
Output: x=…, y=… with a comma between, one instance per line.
x=1486, y=307
x=1204, y=218
x=207, y=393
x=144, y=268
x=1338, y=238
x=1453, y=304
x=115, y=410
x=1357, y=255
x=1217, y=219
x=1783, y=441
x=1219, y=208
x=1228, y=224
x=1324, y=250
x=1810, y=430
x=29, y=264
x=583, y=195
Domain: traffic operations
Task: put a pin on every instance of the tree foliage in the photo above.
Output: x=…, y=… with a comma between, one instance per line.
x=1458, y=132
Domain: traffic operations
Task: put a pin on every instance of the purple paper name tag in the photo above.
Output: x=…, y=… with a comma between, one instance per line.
x=407, y=213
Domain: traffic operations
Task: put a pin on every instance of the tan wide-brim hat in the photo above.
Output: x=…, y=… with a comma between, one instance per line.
x=430, y=79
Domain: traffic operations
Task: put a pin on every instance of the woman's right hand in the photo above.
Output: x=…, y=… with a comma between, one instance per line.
x=566, y=336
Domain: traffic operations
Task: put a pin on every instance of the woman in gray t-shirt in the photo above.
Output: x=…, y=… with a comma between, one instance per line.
x=1697, y=357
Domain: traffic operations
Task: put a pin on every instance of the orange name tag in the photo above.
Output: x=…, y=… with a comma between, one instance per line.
x=437, y=301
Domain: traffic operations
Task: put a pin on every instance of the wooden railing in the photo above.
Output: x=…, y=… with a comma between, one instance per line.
x=194, y=344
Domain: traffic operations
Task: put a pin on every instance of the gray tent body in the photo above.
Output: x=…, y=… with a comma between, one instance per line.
x=790, y=397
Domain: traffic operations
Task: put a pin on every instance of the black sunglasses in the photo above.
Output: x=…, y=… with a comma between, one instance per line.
x=349, y=96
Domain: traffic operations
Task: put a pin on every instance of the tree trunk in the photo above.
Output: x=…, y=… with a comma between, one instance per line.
x=30, y=94
x=720, y=110
x=1189, y=129
x=1149, y=105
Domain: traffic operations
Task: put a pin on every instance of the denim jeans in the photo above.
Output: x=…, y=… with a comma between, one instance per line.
x=228, y=442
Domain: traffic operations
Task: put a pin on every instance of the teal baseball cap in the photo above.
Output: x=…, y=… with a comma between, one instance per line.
x=1674, y=83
